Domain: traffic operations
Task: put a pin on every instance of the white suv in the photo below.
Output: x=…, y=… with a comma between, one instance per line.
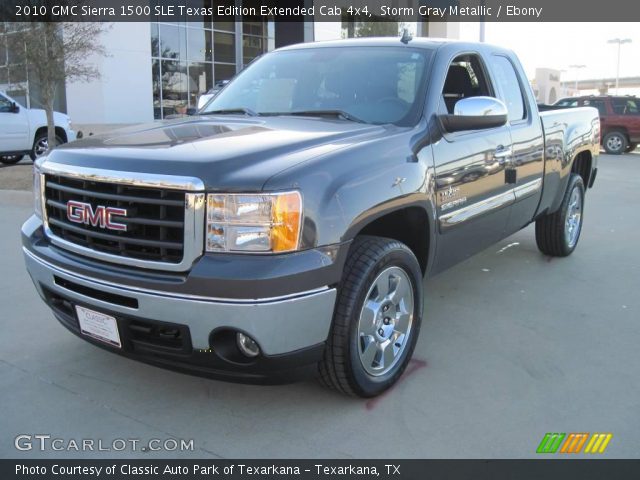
x=24, y=131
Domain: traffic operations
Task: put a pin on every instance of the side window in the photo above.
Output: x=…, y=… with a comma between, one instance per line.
x=5, y=104
x=465, y=78
x=599, y=104
x=508, y=79
x=567, y=102
x=625, y=106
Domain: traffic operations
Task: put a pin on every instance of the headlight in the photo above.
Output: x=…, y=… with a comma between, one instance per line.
x=37, y=192
x=253, y=222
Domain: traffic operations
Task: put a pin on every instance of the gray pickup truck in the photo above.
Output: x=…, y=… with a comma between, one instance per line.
x=287, y=228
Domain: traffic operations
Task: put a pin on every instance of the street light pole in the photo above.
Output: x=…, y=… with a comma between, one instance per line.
x=577, y=67
x=619, y=42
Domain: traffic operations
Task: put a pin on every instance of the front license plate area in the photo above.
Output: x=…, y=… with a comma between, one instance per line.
x=98, y=325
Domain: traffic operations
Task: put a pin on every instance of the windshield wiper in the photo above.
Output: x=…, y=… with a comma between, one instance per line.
x=223, y=111
x=321, y=113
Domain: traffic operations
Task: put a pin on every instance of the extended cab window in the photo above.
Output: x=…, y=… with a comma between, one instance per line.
x=625, y=106
x=599, y=104
x=507, y=78
x=465, y=78
x=376, y=85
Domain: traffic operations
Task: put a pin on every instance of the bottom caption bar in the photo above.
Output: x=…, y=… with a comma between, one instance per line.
x=317, y=469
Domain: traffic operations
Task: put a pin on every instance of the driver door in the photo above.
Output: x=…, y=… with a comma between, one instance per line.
x=14, y=127
x=472, y=196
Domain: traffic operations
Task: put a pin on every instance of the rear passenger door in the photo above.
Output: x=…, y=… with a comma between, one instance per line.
x=628, y=111
x=472, y=198
x=525, y=168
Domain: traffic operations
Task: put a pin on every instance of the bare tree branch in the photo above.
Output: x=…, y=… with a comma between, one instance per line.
x=58, y=53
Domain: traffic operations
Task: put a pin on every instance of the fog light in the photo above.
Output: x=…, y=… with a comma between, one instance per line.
x=247, y=345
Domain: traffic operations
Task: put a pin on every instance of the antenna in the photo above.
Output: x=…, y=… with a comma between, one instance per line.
x=406, y=36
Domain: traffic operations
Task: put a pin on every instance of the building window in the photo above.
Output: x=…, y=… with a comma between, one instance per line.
x=13, y=69
x=254, y=40
x=189, y=58
x=182, y=66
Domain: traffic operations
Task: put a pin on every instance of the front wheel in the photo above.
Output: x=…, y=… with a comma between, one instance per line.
x=557, y=234
x=615, y=143
x=377, y=318
x=41, y=145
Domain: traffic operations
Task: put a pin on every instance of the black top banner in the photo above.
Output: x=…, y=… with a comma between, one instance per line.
x=319, y=10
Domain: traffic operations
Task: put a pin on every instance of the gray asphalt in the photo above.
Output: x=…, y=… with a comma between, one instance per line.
x=558, y=351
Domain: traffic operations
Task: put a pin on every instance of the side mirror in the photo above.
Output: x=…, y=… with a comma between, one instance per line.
x=475, y=113
x=14, y=107
x=192, y=111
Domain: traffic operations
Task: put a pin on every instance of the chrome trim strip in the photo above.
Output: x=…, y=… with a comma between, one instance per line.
x=183, y=296
x=124, y=178
x=194, y=213
x=479, y=208
x=527, y=189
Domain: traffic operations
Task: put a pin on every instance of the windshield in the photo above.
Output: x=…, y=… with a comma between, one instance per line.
x=376, y=85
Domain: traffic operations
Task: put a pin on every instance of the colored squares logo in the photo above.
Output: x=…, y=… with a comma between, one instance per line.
x=574, y=443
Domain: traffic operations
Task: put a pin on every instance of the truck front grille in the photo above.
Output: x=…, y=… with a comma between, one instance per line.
x=154, y=221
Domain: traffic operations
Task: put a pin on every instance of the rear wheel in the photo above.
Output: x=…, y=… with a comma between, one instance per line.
x=631, y=147
x=615, y=143
x=376, y=320
x=557, y=234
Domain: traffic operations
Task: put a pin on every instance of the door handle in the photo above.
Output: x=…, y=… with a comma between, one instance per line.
x=501, y=155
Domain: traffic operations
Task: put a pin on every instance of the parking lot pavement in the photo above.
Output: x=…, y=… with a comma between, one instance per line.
x=558, y=352
x=18, y=176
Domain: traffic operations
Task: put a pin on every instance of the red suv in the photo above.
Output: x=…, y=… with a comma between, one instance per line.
x=619, y=120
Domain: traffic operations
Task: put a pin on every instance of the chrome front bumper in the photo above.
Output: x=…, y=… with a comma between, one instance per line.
x=279, y=325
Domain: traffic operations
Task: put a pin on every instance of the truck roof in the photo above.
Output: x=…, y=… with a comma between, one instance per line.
x=416, y=42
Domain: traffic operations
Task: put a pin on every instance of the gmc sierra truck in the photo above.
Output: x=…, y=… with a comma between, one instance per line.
x=288, y=227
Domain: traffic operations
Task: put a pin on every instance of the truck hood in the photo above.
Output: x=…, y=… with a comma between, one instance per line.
x=228, y=153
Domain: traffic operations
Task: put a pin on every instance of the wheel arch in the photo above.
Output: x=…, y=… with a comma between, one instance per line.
x=410, y=225
x=582, y=164
x=614, y=128
x=60, y=132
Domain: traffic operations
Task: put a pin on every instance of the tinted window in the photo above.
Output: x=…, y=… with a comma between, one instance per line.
x=567, y=102
x=625, y=106
x=599, y=104
x=465, y=79
x=376, y=85
x=508, y=80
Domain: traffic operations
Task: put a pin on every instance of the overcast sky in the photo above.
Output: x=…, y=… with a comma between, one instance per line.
x=558, y=45
x=552, y=45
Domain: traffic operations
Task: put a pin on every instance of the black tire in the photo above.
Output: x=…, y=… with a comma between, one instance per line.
x=10, y=159
x=631, y=147
x=341, y=367
x=615, y=143
x=551, y=229
x=34, y=154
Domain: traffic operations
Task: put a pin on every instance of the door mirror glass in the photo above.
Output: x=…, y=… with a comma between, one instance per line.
x=475, y=113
